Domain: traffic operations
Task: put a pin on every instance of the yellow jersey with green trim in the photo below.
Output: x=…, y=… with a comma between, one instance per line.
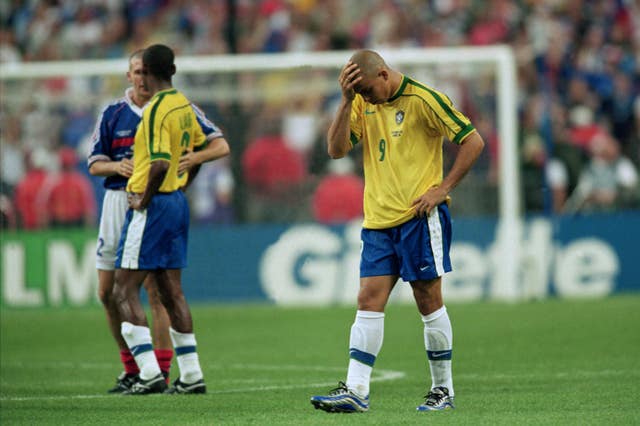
x=402, y=148
x=169, y=127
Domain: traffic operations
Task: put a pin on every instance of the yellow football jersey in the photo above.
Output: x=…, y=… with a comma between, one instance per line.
x=402, y=142
x=168, y=129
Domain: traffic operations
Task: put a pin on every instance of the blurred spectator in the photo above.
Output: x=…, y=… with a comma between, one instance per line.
x=271, y=166
x=30, y=212
x=9, y=52
x=274, y=174
x=40, y=125
x=532, y=169
x=212, y=194
x=7, y=213
x=577, y=60
x=84, y=30
x=78, y=124
x=619, y=109
x=338, y=197
x=583, y=128
x=563, y=169
x=43, y=24
x=11, y=154
x=608, y=181
x=67, y=197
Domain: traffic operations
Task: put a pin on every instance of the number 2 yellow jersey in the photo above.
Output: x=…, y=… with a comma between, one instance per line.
x=402, y=142
x=169, y=128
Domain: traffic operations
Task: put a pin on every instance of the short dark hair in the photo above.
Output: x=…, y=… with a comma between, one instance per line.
x=158, y=60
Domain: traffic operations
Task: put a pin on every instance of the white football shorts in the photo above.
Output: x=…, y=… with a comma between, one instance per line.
x=114, y=209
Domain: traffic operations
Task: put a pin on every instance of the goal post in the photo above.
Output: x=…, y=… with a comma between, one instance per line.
x=501, y=58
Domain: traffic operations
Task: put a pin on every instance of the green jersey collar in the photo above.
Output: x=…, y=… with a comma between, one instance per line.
x=400, y=90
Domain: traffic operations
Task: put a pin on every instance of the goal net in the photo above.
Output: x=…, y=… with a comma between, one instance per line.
x=293, y=95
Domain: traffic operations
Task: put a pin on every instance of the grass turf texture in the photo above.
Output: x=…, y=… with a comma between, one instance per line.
x=551, y=362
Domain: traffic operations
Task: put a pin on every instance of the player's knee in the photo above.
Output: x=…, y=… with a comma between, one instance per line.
x=371, y=302
x=106, y=296
x=118, y=295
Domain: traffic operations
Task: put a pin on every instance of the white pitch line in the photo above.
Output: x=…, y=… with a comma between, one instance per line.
x=378, y=376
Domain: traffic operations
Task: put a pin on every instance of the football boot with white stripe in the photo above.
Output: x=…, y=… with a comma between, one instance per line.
x=156, y=384
x=341, y=400
x=124, y=383
x=179, y=387
x=436, y=400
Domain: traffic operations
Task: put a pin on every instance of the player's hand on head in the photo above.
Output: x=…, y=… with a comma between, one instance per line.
x=125, y=167
x=349, y=77
x=427, y=201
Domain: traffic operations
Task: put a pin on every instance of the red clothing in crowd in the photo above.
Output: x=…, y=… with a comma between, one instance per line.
x=338, y=199
x=25, y=196
x=69, y=200
x=68, y=197
x=270, y=165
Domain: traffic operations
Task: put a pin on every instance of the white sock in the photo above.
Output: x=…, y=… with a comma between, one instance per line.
x=138, y=339
x=365, y=342
x=438, y=340
x=184, y=345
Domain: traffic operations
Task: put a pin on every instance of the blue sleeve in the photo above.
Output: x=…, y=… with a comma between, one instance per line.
x=101, y=138
x=210, y=130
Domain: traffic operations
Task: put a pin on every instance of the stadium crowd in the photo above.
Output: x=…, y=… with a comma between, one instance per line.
x=579, y=104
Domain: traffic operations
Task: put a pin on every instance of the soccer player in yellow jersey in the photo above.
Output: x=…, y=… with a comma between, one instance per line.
x=401, y=125
x=154, y=235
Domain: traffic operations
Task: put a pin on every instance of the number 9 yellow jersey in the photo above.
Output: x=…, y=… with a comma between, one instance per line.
x=402, y=143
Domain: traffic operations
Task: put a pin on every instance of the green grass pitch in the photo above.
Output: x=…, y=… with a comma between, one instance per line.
x=540, y=363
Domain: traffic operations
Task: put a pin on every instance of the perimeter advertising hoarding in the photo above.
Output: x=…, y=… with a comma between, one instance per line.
x=311, y=264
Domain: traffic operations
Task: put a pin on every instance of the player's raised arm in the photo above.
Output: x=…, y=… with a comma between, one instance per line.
x=338, y=137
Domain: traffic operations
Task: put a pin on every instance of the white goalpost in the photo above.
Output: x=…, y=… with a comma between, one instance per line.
x=509, y=233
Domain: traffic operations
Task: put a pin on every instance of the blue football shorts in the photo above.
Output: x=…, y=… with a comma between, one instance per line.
x=415, y=250
x=156, y=238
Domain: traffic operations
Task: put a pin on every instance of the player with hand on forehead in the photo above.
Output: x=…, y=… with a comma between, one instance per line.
x=400, y=124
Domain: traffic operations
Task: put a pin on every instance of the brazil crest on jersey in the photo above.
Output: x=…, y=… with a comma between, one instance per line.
x=168, y=129
x=402, y=143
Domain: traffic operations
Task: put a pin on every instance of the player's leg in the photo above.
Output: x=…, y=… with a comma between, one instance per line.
x=159, y=326
x=191, y=380
x=438, y=341
x=379, y=273
x=367, y=331
x=112, y=218
x=135, y=331
x=365, y=342
x=425, y=259
x=105, y=293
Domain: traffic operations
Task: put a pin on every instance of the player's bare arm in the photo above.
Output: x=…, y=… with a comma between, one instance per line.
x=123, y=167
x=157, y=173
x=338, y=136
x=468, y=153
x=217, y=148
